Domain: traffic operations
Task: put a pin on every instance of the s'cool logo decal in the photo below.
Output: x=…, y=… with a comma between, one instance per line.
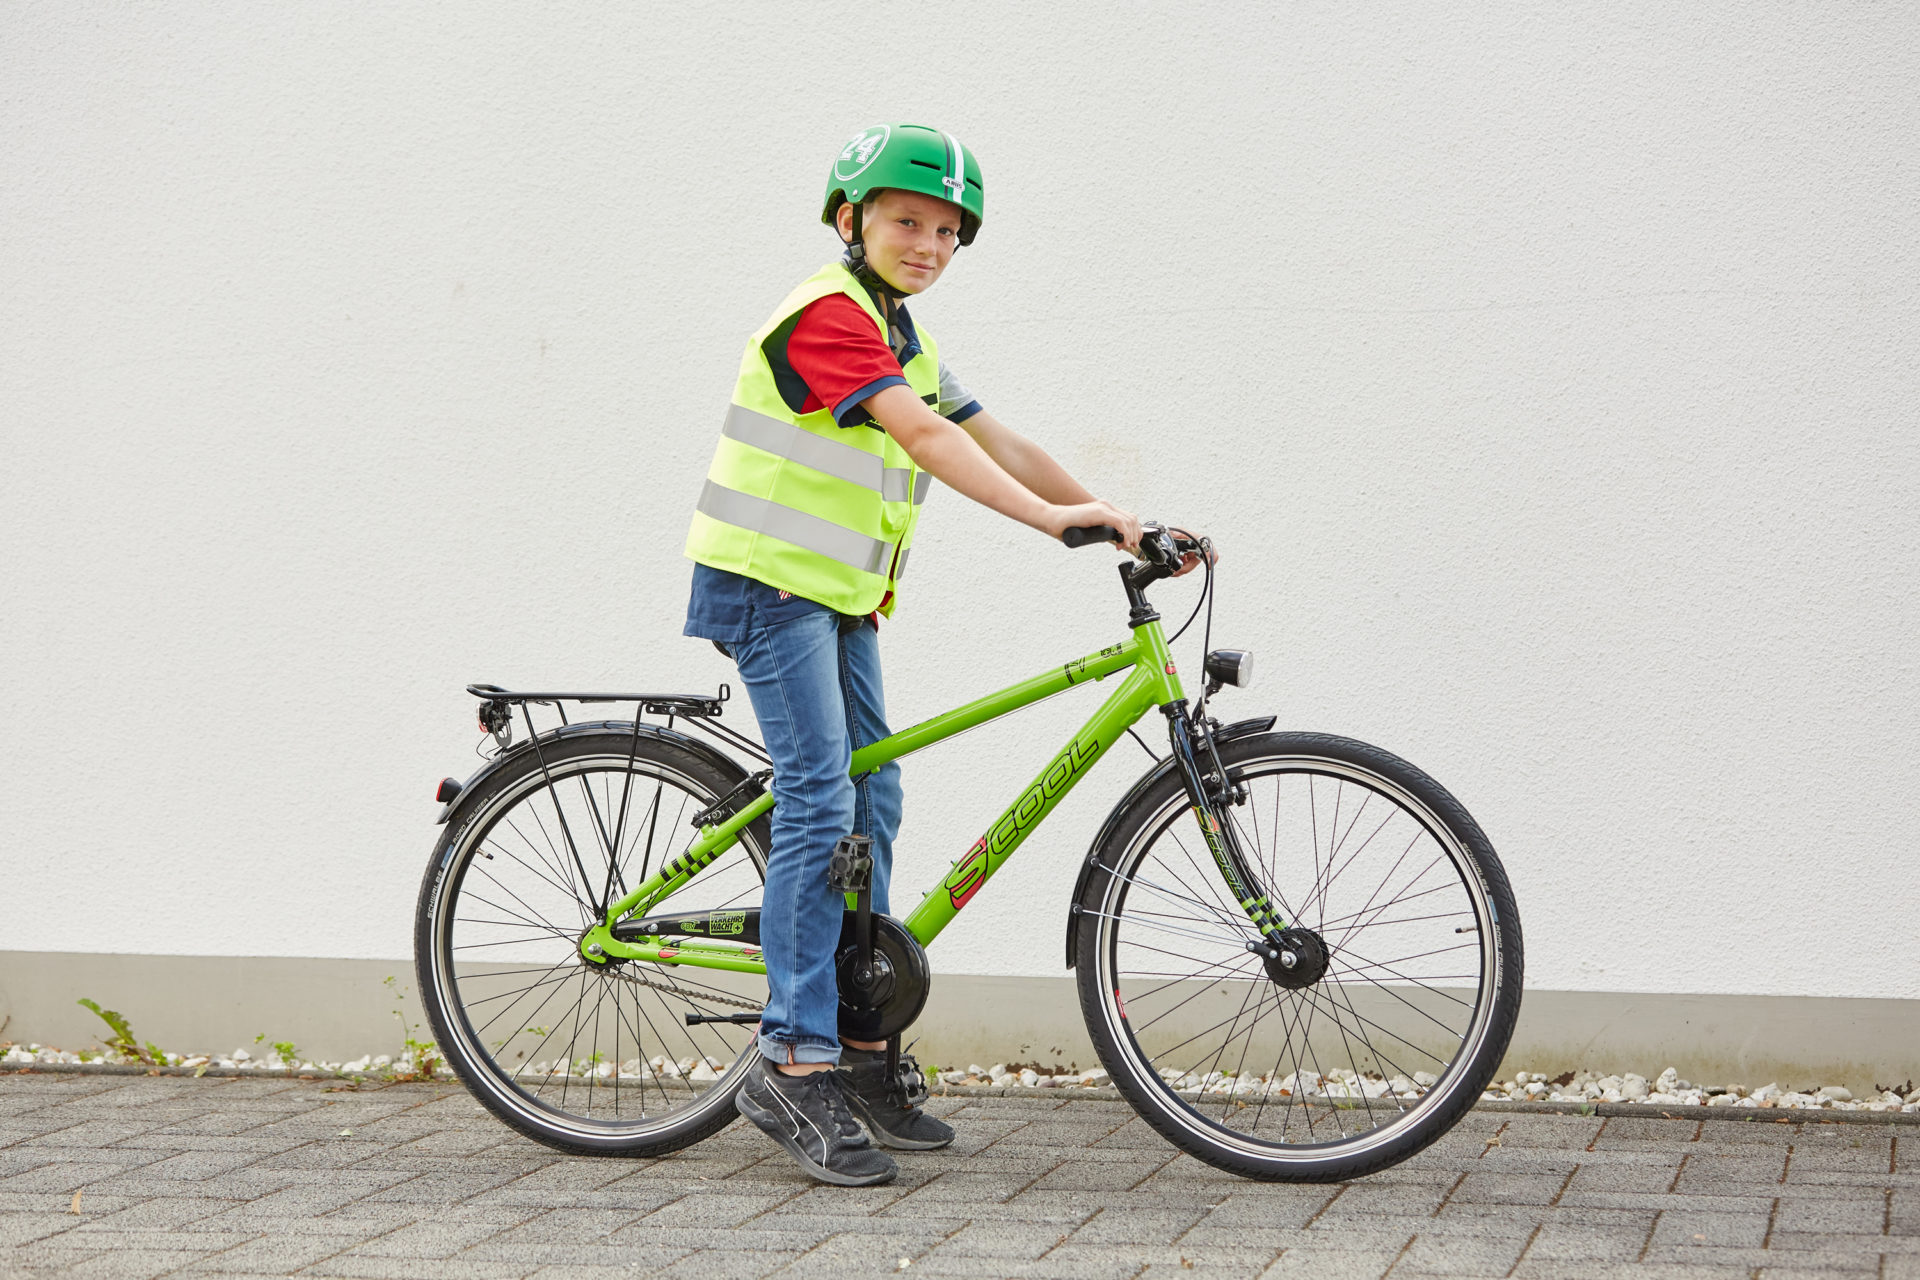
x=1077, y=669
x=859, y=153
x=990, y=850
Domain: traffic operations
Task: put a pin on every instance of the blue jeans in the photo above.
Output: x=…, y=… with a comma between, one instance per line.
x=816, y=692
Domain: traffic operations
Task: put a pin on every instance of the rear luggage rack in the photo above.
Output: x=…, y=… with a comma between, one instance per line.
x=659, y=704
x=698, y=711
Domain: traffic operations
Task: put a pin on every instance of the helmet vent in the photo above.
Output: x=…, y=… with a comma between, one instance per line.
x=926, y=164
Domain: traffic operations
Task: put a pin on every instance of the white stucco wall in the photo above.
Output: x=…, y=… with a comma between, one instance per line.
x=1548, y=376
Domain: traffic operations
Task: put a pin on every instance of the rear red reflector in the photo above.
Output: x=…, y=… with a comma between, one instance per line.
x=446, y=791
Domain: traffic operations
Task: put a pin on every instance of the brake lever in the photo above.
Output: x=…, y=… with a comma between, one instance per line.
x=1167, y=550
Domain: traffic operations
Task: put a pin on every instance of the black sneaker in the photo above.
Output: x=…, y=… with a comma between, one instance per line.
x=806, y=1115
x=890, y=1103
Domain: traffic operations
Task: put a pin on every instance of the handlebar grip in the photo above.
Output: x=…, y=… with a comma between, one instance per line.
x=1090, y=534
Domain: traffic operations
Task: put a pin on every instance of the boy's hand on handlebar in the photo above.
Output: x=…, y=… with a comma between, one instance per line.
x=1191, y=560
x=1084, y=514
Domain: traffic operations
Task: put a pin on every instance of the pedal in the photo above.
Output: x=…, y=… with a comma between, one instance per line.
x=907, y=1083
x=850, y=870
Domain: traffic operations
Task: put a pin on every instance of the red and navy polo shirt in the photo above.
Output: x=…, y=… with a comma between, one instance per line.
x=830, y=356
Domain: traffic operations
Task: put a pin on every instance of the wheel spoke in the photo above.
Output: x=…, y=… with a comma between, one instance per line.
x=1141, y=921
x=559, y=877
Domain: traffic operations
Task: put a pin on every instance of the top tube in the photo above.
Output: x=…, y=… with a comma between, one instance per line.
x=1094, y=666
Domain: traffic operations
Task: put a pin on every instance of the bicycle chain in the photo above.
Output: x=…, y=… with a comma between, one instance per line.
x=683, y=993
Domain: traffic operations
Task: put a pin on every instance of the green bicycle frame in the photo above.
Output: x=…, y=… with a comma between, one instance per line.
x=1153, y=682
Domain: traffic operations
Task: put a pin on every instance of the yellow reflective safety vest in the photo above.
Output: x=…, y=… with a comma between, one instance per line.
x=799, y=502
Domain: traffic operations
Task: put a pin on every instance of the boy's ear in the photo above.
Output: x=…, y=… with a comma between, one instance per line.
x=843, y=221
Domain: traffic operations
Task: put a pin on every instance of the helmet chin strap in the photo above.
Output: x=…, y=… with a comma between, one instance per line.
x=862, y=270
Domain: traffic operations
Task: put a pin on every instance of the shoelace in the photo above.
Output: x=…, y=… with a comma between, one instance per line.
x=837, y=1110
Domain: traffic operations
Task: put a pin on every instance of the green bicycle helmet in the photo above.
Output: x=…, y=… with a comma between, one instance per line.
x=907, y=157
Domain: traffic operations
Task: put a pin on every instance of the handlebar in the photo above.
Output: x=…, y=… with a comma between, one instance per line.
x=1090, y=534
x=1158, y=544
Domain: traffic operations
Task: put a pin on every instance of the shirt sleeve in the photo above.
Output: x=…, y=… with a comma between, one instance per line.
x=837, y=350
x=956, y=402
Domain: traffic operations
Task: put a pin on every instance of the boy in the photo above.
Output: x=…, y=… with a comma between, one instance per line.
x=842, y=412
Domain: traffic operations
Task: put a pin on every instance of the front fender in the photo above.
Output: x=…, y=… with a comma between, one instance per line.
x=1226, y=734
x=470, y=789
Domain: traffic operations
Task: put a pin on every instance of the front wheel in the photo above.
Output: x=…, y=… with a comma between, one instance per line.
x=1374, y=1030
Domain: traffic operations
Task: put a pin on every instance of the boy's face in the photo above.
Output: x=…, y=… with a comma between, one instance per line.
x=910, y=238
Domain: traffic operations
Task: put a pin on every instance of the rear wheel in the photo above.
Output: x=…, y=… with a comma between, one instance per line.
x=1405, y=975
x=587, y=1058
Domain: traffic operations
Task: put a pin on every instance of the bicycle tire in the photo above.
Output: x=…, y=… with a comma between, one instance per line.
x=1172, y=1024
x=500, y=912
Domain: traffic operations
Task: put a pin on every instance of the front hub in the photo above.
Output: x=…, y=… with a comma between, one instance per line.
x=1296, y=959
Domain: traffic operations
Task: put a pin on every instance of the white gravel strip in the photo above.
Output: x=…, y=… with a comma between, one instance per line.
x=238, y=1060
x=1666, y=1089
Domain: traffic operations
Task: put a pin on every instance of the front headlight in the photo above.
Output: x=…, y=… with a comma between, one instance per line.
x=1231, y=666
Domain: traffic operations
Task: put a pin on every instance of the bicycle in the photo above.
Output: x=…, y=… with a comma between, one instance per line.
x=1297, y=955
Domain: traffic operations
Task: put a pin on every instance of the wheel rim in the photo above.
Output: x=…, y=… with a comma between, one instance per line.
x=591, y=1052
x=1300, y=1075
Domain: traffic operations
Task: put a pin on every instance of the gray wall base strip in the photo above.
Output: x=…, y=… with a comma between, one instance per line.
x=330, y=1008
x=340, y=1009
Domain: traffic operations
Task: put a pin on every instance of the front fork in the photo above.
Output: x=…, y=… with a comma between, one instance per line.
x=1211, y=793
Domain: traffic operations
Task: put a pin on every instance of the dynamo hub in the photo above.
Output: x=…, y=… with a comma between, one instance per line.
x=1297, y=958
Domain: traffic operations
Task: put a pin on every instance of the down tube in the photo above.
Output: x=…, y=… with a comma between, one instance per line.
x=1129, y=702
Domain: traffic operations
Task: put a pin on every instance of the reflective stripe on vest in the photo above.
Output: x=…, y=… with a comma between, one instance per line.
x=822, y=537
x=856, y=466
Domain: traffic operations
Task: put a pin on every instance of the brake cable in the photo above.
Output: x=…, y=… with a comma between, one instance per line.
x=1206, y=549
x=1206, y=636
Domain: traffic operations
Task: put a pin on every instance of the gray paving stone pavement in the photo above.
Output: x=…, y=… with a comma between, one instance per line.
x=132, y=1177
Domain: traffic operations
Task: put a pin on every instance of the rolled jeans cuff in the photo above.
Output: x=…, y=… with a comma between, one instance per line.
x=786, y=1051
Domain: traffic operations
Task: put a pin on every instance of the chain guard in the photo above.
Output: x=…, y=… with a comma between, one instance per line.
x=901, y=978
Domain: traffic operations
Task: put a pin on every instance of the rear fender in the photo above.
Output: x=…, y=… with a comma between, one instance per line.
x=1222, y=736
x=470, y=789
